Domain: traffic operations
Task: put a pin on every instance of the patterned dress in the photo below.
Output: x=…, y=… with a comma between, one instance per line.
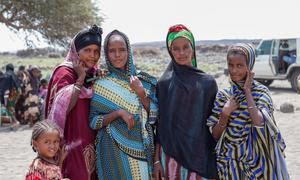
x=123, y=153
x=43, y=170
x=245, y=151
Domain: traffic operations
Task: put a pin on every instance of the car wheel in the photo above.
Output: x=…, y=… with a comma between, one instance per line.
x=295, y=80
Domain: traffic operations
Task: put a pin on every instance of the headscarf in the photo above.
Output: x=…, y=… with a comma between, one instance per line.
x=130, y=67
x=185, y=97
x=245, y=49
x=178, y=31
x=87, y=37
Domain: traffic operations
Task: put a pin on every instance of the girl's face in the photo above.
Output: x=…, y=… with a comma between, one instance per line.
x=47, y=144
x=117, y=52
x=182, y=51
x=237, y=67
x=90, y=55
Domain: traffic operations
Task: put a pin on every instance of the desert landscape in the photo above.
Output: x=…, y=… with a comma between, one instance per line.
x=16, y=152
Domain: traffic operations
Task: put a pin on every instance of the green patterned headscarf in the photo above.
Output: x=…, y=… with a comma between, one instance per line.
x=178, y=31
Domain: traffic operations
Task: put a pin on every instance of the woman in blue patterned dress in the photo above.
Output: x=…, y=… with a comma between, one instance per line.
x=250, y=145
x=122, y=110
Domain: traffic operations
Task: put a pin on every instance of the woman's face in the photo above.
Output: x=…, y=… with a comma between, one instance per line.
x=117, y=52
x=90, y=55
x=182, y=51
x=237, y=67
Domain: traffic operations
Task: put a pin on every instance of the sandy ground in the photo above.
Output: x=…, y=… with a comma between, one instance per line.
x=16, y=153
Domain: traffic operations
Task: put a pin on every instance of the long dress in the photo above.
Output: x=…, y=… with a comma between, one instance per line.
x=79, y=138
x=245, y=151
x=185, y=98
x=122, y=153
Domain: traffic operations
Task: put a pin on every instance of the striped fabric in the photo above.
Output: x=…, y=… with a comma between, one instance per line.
x=245, y=151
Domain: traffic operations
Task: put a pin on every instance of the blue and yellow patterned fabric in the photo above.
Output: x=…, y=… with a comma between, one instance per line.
x=123, y=153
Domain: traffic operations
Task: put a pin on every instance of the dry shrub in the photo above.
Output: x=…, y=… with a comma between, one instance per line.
x=147, y=51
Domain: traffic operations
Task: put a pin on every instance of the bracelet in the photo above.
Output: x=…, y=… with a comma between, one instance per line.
x=156, y=162
x=76, y=87
x=251, y=107
x=145, y=95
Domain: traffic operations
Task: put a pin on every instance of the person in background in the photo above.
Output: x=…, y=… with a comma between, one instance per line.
x=32, y=103
x=250, y=145
x=9, y=94
x=43, y=88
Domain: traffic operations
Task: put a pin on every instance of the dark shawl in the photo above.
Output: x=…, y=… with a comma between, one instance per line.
x=186, y=97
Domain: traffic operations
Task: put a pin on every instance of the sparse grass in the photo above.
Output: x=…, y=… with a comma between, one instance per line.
x=45, y=64
x=210, y=63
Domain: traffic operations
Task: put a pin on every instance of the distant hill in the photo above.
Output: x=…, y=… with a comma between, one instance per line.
x=161, y=44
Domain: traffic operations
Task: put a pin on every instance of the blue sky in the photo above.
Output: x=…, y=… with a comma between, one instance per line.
x=149, y=20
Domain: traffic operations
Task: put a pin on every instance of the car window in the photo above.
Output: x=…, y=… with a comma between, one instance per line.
x=265, y=48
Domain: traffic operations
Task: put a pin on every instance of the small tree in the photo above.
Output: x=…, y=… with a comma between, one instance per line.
x=57, y=21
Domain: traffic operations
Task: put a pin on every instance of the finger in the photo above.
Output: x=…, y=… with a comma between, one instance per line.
x=131, y=124
x=249, y=73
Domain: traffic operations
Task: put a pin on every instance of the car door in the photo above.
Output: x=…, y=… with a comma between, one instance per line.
x=262, y=66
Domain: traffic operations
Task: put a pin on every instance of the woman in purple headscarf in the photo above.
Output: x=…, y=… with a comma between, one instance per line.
x=68, y=101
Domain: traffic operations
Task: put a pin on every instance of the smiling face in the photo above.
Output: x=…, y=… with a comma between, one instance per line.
x=90, y=55
x=117, y=52
x=47, y=144
x=182, y=51
x=237, y=67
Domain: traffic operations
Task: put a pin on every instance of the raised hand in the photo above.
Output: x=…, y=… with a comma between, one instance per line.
x=249, y=81
x=78, y=66
x=230, y=106
x=137, y=86
x=102, y=73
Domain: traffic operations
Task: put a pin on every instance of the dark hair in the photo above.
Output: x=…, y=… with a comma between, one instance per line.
x=39, y=128
x=43, y=81
x=21, y=68
x=9, y=67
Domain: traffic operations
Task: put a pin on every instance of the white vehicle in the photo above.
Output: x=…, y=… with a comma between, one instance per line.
x=278, y=59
